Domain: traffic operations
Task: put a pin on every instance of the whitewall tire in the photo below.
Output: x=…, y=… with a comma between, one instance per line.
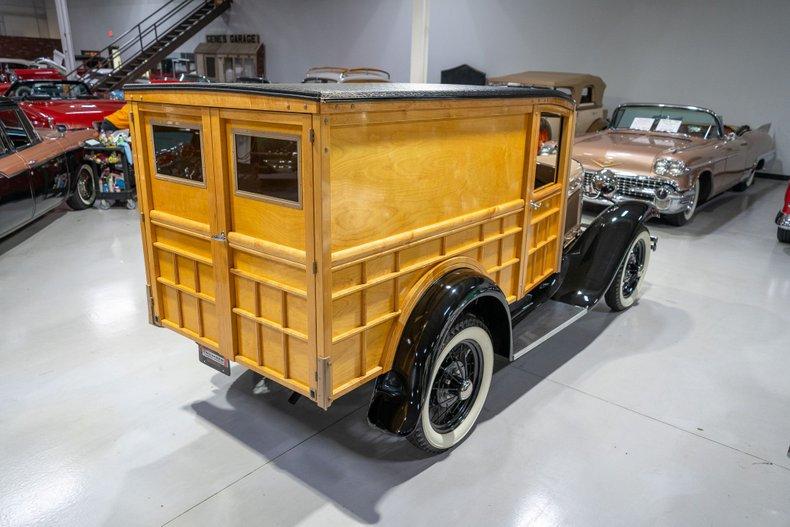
x=630, y=278
x=457, y=387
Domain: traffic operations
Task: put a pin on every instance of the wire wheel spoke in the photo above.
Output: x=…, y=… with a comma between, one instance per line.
x=634, y=269
x=455, y=386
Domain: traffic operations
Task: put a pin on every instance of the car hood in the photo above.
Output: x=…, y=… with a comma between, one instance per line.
x=72, y=113
x=629, y=151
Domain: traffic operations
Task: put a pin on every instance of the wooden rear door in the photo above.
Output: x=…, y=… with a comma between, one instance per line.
x=178, y=200
x=545, y=216
x=267, y=173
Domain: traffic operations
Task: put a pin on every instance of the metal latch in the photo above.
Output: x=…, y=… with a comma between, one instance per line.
x=220, y=237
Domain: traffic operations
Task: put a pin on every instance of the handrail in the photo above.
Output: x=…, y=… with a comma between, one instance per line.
x=143, y=35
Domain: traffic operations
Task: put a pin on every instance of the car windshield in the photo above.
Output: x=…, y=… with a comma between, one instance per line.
x=49, y=90
x=664, y=119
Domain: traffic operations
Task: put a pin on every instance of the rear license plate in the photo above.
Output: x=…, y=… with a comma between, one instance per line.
x=215, y=360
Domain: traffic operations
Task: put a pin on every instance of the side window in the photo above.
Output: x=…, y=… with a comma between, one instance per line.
x=267, y=167
x=4, y=148
x=177, y=152
x=586, y=96
x=15, y=128
x=549, y=147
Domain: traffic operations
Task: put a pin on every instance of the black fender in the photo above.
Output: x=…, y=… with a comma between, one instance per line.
x=398, y=394
x=591, y=263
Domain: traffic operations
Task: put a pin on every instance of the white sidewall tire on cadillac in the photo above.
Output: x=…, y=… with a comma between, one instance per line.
x=681, y=218
x=624, y=292
x=467, y=336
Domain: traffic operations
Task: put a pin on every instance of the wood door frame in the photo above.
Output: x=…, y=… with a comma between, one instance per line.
x=224, y=122
x=529, y=192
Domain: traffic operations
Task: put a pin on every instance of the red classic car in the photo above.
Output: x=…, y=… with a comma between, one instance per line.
x=48, y=103
x=39, y=169
x=783, y=219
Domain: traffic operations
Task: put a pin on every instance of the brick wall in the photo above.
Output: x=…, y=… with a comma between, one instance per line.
x=27, y=47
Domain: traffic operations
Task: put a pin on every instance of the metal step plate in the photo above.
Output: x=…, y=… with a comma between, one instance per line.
x=543, y=323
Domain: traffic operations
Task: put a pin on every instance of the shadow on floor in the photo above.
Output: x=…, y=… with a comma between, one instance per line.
x=352, y=464
x=708, y=217
x=31, y=229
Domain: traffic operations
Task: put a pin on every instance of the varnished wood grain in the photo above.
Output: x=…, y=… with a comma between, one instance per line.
x=394, y=194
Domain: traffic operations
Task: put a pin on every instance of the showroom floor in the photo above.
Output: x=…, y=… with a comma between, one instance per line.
x=675, y=412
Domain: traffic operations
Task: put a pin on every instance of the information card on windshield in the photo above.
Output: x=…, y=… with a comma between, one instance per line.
x=642, y=123
x=670, y=126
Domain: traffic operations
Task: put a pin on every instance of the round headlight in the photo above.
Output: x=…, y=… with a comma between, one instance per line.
x=676, y=167
x=662, y=166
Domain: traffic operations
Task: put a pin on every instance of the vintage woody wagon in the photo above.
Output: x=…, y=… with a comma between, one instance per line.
x=326, y=236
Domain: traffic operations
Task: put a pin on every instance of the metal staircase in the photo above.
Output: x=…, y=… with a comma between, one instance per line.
x=140, y=48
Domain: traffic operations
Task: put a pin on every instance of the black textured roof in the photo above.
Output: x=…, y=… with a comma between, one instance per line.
x=361, y=91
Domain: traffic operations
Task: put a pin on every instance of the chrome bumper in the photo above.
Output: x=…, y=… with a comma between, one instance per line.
x=783, y=220
x=677, y=201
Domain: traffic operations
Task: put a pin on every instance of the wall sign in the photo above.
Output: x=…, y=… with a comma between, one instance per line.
x=250, y=38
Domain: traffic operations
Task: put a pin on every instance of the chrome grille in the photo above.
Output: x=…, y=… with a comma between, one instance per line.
x=637, y=186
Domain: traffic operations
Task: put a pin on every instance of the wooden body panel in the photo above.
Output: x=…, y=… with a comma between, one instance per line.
x=315, y=296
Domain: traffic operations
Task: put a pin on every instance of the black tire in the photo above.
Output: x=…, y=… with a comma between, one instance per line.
x=85, y=190
x=783, y=235
x=743, y=185
x=457, y=386
x=681, y=218
x=627, y=285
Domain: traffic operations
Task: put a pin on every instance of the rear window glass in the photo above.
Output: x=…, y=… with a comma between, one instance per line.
x=586, y=96
x=267, y=166
x=177, y=152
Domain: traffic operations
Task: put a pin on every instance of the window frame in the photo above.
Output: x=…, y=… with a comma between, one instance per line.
x=152, y=146
x=32, y=135
x=552, y=113
x=234, y=131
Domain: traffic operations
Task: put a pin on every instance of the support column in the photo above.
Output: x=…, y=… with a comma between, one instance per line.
x=65, y=34
x=419, y=41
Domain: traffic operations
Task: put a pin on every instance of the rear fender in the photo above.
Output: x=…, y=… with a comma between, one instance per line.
x=593, y=259
x=398, y=395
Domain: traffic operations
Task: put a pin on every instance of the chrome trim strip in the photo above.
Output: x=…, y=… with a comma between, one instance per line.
x=550, y=334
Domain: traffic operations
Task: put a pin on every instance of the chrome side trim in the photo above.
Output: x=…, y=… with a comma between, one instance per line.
x=550, y=334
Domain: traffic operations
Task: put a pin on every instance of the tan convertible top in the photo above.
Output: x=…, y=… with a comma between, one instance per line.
x=556, y=79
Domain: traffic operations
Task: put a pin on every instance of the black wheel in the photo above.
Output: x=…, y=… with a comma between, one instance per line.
x=85, y=192
x=743, y=185
x=457, y=386
x=681, y=218
x=630, y=277
x=783, y=235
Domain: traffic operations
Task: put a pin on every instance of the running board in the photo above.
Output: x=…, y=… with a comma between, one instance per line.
x=542, y=324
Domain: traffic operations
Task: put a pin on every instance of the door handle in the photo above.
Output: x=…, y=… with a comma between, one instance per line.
x=535, y=205
x=219, y=237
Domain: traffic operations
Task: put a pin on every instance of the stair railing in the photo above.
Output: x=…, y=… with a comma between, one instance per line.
x=134, y=41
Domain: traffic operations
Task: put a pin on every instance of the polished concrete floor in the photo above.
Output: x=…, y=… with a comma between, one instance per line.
x=676, y=412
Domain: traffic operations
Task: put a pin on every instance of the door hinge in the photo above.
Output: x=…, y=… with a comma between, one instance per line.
x=153, y=318
x=312, y=135
x=324, y=382
x=315, y=267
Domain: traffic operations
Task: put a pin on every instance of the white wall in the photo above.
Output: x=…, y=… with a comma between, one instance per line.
x=298, y=34
x=730, y=55
x=28, y=18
